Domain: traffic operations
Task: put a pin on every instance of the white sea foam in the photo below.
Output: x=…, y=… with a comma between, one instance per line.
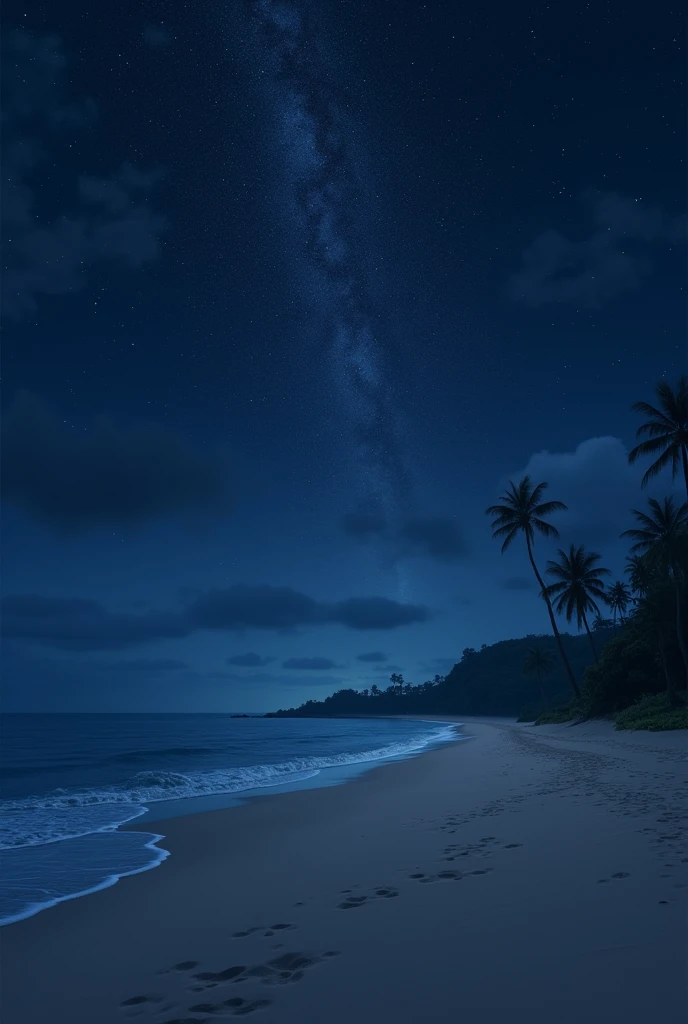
x=69, y=814
x=42, y=876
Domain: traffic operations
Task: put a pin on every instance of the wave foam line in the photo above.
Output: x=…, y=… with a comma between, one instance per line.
x=35, y=821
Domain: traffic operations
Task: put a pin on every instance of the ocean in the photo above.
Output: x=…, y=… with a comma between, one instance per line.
x=67, y=782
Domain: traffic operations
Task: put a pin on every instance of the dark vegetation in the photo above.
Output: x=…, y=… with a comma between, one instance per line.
x=633, y=665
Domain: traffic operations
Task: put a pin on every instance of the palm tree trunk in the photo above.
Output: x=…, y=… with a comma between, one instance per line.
x=592, y=642
x=555, y=630
x=670, y=688
x=681, y=625
x=684, y=456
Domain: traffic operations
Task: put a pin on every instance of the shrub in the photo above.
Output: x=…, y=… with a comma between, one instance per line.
x=556, y=716
x=655, y=713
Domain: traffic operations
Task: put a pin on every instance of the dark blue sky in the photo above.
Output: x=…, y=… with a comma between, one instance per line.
x=290, y=290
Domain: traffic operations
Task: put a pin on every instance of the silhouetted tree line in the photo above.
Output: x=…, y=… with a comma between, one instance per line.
x=641, y=650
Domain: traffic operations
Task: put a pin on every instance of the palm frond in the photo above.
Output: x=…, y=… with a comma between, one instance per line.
x=546, y=529
x=651, y=446
x=511, y=536
x=548, y=507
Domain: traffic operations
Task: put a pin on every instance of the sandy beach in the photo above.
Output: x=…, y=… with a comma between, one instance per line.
x=529, y=875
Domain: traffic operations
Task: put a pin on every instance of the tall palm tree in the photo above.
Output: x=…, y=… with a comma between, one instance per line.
x=618, y=599
x=662, y=538
x=667, y=427
x=523, y=511
x=538, y=661
x=578, y=583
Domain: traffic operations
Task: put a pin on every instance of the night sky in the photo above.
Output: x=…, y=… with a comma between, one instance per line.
x=291, y=289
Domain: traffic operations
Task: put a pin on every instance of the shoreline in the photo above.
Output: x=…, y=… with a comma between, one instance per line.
x=541, y=873
x=145, y=820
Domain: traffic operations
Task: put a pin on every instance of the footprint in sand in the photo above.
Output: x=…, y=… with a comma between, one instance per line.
x=218, y=976
x=443, y=876
x=282, y=926
x=181, y=967
x=140, y=1001
x=621, y=874
x=351, y=902
x=383, y=893
x=280, y=970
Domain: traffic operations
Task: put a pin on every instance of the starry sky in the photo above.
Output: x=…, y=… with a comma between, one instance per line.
x=290, y=291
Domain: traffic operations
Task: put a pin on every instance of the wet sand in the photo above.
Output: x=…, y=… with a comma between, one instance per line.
x=527, y=875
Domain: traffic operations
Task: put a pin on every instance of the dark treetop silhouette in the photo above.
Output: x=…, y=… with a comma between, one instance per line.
x=522, y=511
x=667, y=427
x=578, y=584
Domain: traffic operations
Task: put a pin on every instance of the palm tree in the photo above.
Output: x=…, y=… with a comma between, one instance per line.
x=662, y=538
x=618, y=599
x=667, y=427
x=640, y=574
x=578, y=584
x=522, y=511
x=538, y=661
x=396, y=679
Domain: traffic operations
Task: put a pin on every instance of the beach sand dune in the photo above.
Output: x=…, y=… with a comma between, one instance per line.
x=521, y=875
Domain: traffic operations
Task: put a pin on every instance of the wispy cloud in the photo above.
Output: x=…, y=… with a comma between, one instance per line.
x=78, y=624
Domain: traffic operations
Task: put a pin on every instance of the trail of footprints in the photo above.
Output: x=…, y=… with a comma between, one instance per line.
x=289, y=967
x=453, y=852
x=279, y=970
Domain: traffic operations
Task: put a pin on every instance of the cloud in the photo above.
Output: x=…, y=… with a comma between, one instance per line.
x=108, y=475
x=157, y=36
x=77, y=624
x=376, y=613
x=372, y=656
x=249, y=660
x=614, y=257
x=258, y=607
x=435, y=538
x=597, y=484
x=110, y=219
x=309, y=664
x=517, y=583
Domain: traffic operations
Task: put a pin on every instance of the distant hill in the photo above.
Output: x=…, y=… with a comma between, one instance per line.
x=490, y=681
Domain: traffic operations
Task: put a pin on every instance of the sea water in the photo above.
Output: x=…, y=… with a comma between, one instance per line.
x=69, y=781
